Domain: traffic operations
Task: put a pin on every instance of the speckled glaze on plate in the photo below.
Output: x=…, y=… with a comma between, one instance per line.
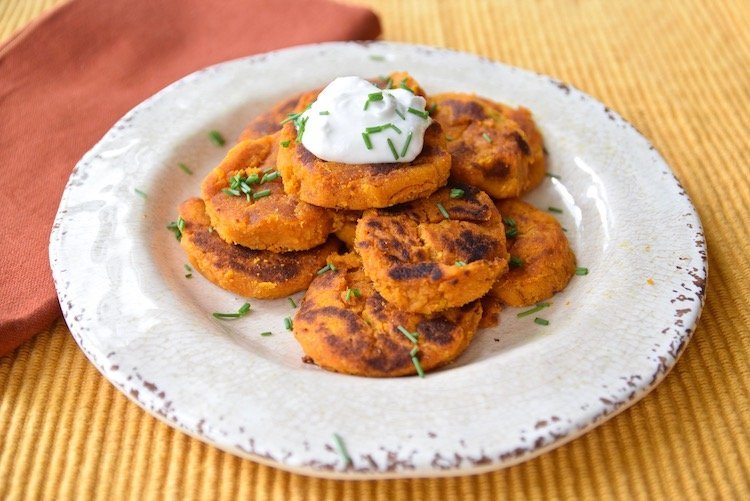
x=519, y=390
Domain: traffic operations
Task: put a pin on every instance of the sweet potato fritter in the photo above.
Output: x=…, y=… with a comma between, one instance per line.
x=496, y=148
x=423, y=262
x=540, y=243
x=251, y=273
x=344, y=325
x=275, y=221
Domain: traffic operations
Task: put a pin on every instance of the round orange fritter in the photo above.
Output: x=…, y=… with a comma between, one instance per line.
x=344, y=325
x=423, y=262
x=251, y=273
x=274, y=221
x=362, y=186
x=547, y=262
x=496, y=148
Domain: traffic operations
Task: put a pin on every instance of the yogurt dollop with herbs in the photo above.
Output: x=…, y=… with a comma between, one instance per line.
x=354, y=122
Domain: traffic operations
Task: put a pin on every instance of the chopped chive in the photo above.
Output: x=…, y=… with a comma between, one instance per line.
x=374, y=128
x=270, y=176
x=406, y=87
x=410, y=336
x=216, y=138
x=417, y=112
x=261, y=194
x=244, y=188
x=240, y=313
x=486, y=137
x=433, y=108
x=515, y=262
x=252, y=179
x=324, y=113
x=301, y=129
x=348, y=295
x=188, y=275
x=400, y=113
x=356, y=292
x=231, y=191
x=549, y=174
x=244, y=309
x=288, y=323
x=509, y=221
x=333, y=266
x=366, y=138
x=555, y=209
x=418, y=366
x=210, y=229
x=267, y=170
x=377, y=57
x=538, y=307
x=582, y=271
x=406, y=145
x=180, y=224
x=188, y=268
x=375, y=96
x=565, y=230
x=414, y=351
x=391, y=126
x=511, y=232
x=367, y=105
x=443, y=211
x=140, y=193
x=291, y=301
x=342, y=448
x=324, y=269
x=188, y=271
x=460, y=264
x=267, y=333
x=448, y=138
x=247, y=196
x=457, y=193
x=285, y=144
x=290, y=117
x=541, y=321
x=185, y=169
x=235, y=181
x=393, y=149
x=389, y=83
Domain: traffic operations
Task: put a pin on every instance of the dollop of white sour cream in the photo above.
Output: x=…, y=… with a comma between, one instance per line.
x=354, y=122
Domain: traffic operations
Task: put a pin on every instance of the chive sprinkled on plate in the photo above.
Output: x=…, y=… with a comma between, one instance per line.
x=406, y=145
x=324, y=113
x=486, y=137
x=460, y=264
x=515, y=262
x=541, y=321
x=241, y=312
x=443, y=211
x=538, y=307
x=180, y=224
x=366, y=139
x=342, y=450
x=457, y=193
x=377, y=57
x=140, y=193
x=285, y=144
x=549, y=174
x=216, y=138
x=555, y=209
x=409, y=335
x=393, y=149
x=185, y=169
x=582, y=271
x=288, y=324
x=188, y=271
x=417, y=112
x=291, y=301
x=267, y=333
x=433, y=108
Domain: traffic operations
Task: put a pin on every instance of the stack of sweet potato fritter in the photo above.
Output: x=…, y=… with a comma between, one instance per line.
x=402, y=262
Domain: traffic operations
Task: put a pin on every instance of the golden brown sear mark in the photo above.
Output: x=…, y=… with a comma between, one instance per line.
x=250, y=273
x=422, y=262
x=494, y=147
x=358, y=333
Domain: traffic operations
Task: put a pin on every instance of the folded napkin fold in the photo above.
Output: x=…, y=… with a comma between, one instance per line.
x=67, y=78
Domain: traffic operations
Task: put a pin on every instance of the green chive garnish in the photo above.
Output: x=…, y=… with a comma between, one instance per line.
x=549, y=174
x=285, y=144
x=185, y=169
x=460, y=264
x=290, y=118
x=511, y=232
x=356, y=292
x=414, y=351
x=325, y=269
x=538, y=307
x=448, y=138
x=342, y=448
x=410, y=336
x=348, y=295
x=267, y=333
x=180, y=224
x=374, y=128
x=261, y=194
x=417, y=112
x=244, y=309
x=457, y=193
x=252, y=179
x=216, y=138
x=324, y=113
x=418, y=366
x=565, y=230
x=400, y=113
x=541, y=321
x=377, y=57
x=406, y=145
x=301, y=129
x=555, y=209
x=389, y=83
x=288, y=323
x=486, y=137
x=291, y=301
x=393, y=149
x=509, y=221
x=433, y=108
x=366, y=138
x=188, y=271
x=443, y=211
x=367, y=105
x=375, y=96
x=516, y=262
x=389, y=125
x=140, y=193
x=406, y=87
x=231, y=191
x=270, y=176
x=582, y=271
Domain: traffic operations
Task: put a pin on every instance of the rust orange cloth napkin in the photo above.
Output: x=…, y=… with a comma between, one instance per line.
x=66, y=79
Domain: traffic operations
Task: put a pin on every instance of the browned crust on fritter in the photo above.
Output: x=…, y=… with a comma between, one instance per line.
x=278, y=222
x=249, y=273
x=410, y=251
x=361, y=337
x=269, y=122
x=494, y=147
x=548, y=261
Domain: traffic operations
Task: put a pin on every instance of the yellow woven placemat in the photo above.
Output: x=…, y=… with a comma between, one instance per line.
x=679, y=71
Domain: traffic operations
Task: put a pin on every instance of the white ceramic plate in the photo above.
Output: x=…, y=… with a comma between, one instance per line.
x=519, y=390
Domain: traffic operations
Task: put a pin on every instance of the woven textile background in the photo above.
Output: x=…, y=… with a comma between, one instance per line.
x=680, y=72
